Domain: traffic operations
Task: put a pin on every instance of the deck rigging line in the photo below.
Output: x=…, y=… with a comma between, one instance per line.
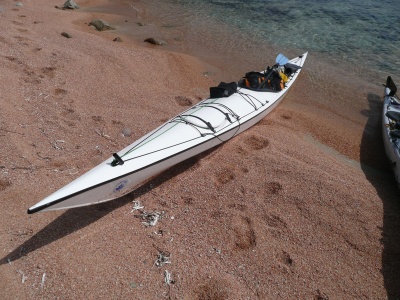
x=220, y=110
x=155, y=151
x=249, y=97
x=208, y=124
x=207, y=104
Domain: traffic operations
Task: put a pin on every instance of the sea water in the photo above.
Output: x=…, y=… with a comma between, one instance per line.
x=362, y=34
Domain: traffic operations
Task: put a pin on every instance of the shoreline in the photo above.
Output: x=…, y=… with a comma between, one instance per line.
x=323, y=90
x=287, y=220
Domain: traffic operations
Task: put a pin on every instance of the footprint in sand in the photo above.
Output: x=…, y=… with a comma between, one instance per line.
x=320, y=296
x=4, y=183
x=285, y=260
x=60, y=92
x=31, y=76
x=59, y=163
x=276, y=226
x=273, y=187
x=49, y=71
x=97, y=118
x=240, y=150
x=17, y=23
x=244, y=235
x=13, y=59
x=217, y=214
x=274, y=221
x=187, y=200
x=239, y=207
x=286, y=116
x=70, y=114
x=22, y=40
x=213, y=289
x=225, y=175
x=256, y=142
x=117, y=123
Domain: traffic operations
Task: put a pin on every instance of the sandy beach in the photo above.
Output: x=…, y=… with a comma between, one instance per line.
x=301, y=206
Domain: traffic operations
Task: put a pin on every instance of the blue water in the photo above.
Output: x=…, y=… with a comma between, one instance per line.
x=362, y=33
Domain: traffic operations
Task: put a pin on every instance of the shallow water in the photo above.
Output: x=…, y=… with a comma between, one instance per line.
x=363, y=34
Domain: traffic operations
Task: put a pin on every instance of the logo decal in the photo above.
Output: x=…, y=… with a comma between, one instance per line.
x=120, y=186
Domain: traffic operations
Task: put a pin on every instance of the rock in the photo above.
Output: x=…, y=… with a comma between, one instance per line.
x=101, y=25
x=67, y=35
x=126, y=132
x=70, y=4
x=208, y=74
x=155, y=41
x=117, y=39
x=19, y=4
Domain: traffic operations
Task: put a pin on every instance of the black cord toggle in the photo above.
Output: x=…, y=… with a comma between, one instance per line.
x=117, y=160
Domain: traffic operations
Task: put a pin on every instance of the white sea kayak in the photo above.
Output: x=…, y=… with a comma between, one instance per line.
x=391, y=127
x=231, y=109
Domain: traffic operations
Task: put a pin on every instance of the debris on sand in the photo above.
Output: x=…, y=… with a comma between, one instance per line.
x=23, y=278
x=150, y=218
x=136, y=206
x=43, y=279
x=168, y=278
x=163, y=257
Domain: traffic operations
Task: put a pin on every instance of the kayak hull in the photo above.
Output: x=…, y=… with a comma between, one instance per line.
x=391, y=140
x=202, y=127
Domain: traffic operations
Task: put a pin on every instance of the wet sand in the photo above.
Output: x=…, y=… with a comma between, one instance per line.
x=302, y=205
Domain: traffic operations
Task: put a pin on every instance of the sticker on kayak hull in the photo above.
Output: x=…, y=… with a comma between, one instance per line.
x=120, y=186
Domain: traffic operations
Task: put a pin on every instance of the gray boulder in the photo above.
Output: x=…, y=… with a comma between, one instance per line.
x=101, y=25
x=70, y=4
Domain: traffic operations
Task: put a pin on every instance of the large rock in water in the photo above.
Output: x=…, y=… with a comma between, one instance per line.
x=70, y=4
x=101, y=25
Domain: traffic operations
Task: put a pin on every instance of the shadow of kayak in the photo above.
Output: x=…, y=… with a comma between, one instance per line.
x=376, y=168
x=75, y=219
